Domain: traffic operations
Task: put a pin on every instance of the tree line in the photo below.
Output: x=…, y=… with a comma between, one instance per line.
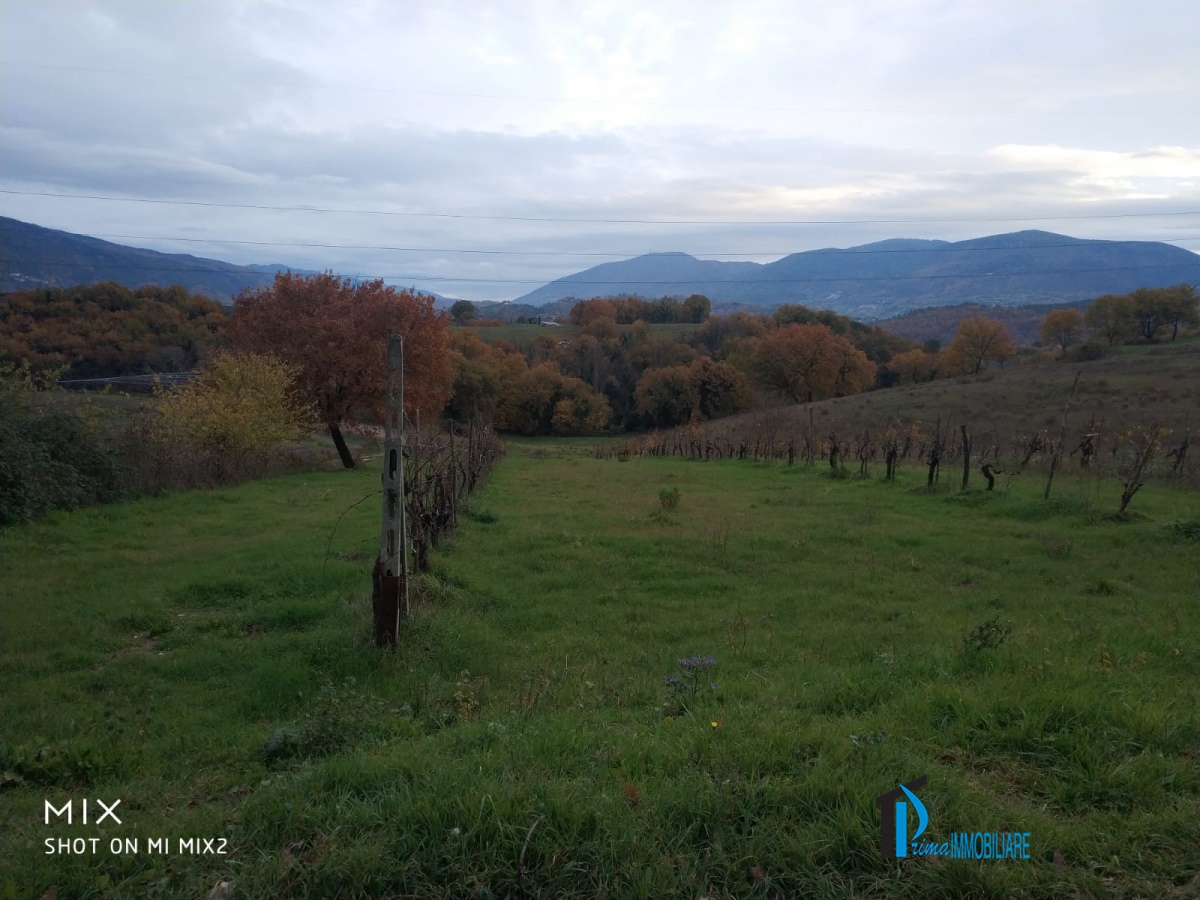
x=612, y=371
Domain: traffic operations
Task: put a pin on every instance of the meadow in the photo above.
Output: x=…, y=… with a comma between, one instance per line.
x=551, y=723
x=1138, y=385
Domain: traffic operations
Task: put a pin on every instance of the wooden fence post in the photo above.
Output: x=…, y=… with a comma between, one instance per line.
x=389, y=598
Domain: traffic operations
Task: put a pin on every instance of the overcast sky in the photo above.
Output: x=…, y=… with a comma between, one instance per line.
x=725, y=130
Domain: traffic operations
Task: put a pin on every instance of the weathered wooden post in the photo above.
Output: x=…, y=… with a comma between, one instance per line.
x=389, y=599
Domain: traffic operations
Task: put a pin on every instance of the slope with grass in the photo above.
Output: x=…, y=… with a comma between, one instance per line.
x=1151, y=384
x=199, y=657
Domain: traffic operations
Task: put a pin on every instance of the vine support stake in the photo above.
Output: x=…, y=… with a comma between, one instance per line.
x=389, y=581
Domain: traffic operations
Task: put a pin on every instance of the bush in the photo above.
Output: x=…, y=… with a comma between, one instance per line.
x=986, y=635
x=53, y=460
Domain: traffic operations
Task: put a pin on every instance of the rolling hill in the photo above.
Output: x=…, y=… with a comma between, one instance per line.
x=889, y=278
x=34, y=257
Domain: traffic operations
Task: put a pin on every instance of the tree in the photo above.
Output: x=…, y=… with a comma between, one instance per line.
x=697, y=308
x=667, y=396
x=463, y=311
x=914, y=365
x=1062, y=327
x=720, y=389
x=334, y=333
x=236, y=405
x=810, y=362
x=544, y=401
x=1156, y=308
x=981, y=340
x=1112, y=317
x=481, y=370
x=585, y=311
x=1180, y=306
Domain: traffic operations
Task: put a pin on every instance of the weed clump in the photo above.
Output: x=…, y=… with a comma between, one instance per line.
x=684, y=689
x=482, y=516
x=333, y=723
x=1187, y=531
x=987, y=635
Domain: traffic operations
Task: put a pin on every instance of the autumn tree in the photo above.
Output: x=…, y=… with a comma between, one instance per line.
x=237, y=404
x=107, y=329
x=914, y=365
x=1157, y=308
x=481, y=372
x=1061, y=328
x=1112, y=317
x=810, y=362
x=334, y=333
x=720, y=388
x=1181, y=306
x=585, y=311
x=463, y=311
x=981, y=340
x=666, y=396
x=542, y=400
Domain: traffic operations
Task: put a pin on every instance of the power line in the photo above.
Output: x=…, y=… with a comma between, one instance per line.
x=639, y=281
x=589, y=221
x=830, y=251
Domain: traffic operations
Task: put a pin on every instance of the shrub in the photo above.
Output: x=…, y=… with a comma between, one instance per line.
x=986, y=635
x=52, y=460
x=237, y=405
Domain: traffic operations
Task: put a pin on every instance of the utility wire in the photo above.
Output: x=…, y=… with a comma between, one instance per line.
x=572, y=281
x=561, y=220
x=826, y=251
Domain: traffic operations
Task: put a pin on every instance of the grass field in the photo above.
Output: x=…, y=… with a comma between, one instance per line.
x=1139, y=385
x=198, y=657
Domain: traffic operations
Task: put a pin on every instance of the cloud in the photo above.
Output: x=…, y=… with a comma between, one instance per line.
x=768, y=111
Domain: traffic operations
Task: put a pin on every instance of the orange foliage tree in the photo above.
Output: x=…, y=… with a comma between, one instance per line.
x=107, y=329
x=914, y=365
x=810, y=362
x=981, y=340
x=1062, y=327
x=334, y=334
x=542, y=400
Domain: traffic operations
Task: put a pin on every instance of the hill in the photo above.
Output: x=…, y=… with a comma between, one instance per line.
x=889, y=278
x=941, y=322
x=35, y=257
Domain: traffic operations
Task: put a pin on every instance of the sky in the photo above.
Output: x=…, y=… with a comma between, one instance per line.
x=388, y=139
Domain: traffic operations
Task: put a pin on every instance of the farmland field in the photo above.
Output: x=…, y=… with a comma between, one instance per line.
x=206, y=659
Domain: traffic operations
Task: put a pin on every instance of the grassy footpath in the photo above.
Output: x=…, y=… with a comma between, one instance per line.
x=197, y=658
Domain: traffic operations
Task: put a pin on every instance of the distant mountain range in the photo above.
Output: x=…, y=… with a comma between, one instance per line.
x=871, y=282
x=889, y=278
x=33, y=257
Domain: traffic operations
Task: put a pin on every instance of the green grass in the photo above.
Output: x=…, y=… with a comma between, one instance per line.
x=197, y=657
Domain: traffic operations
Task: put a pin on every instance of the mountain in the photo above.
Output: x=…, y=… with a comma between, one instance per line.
x=891, y=277
x=32, y=256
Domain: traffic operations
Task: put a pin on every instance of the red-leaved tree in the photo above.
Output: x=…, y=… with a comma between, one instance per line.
x=334, y=333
